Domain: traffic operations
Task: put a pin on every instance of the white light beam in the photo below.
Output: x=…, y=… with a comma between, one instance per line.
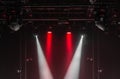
x=44, y=70
x=74, y=68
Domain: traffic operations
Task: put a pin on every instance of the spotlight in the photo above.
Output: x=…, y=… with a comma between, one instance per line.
x=49, y=32
x=44, y=70
x=49, y=46
x=35, y=35
x=73, y=69
x=68, y=32
x=99, y=25
x=15, y=26
x=69, y=48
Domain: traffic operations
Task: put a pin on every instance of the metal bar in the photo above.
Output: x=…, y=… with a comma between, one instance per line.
x=81, y=19
x=53, y=19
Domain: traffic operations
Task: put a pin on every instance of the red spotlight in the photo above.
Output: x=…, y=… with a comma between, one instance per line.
x=49, y=46
x=69, y=42
x=69, y=47
x=68, y=32
x=49, y=32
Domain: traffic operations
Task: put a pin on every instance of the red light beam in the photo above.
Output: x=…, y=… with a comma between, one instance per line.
x=69, y=47
x=49, y=46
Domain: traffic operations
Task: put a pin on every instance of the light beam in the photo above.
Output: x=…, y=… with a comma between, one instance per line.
x=74, y=68
x=44, y=70
x=69, y=47
x=49, y=46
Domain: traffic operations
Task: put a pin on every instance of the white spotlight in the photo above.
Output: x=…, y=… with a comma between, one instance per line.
x=15, y=26
x=74, y=68
x=44, y=70
x=35, y=35
x=100, y=25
